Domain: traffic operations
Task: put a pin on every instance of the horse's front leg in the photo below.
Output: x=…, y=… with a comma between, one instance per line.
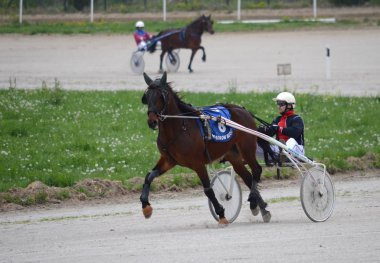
x=161, y=167
x=204, y=53
x=209, y=192
x=144, y=198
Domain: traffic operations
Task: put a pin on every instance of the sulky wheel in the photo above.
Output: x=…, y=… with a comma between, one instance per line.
x=137, y=62
x=317, y=194
x=228, y=192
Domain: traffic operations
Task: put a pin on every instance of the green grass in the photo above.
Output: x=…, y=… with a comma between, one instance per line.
x=60, y=137
x=156, y=26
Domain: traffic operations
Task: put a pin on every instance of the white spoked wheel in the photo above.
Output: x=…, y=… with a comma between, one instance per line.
x=317, y=194
x=137, y=62
x=228, y=192
x=172, y=61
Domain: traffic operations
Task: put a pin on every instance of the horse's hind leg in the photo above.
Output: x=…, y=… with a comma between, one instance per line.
x=193, y=51
x=209, y=192
x=255, y=198
x=242, y=171
x=161, y=59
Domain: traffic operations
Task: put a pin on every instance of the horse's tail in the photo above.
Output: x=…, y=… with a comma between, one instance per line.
x=153, y=46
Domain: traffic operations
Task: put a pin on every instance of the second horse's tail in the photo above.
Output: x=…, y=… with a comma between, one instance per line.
x=153, y=44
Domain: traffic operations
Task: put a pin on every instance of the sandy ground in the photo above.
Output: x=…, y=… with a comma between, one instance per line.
x=183, y=230
x=235, y=61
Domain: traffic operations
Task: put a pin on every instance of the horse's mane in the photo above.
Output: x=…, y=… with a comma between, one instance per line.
x=196, y=21
x=183, y=106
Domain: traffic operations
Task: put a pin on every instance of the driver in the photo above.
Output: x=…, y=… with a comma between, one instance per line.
x=141, y=36
x=288, y=128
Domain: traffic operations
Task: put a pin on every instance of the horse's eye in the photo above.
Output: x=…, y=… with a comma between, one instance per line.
x=143, y=99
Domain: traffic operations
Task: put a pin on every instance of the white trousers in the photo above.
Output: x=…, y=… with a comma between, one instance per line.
x=291, y=143
x=142, y=45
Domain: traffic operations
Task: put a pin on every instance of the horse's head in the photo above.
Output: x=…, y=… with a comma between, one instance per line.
x=207, y=24
x=156, y=97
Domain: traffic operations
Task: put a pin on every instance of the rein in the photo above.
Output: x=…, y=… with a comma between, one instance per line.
x=204, y=117
x=164, y=117
x=261, y=120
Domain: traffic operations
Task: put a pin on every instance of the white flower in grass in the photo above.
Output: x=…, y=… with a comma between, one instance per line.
x=111, y=169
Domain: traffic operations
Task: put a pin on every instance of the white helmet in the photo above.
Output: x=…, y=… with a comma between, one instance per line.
x=140, y=24
x=287, y=97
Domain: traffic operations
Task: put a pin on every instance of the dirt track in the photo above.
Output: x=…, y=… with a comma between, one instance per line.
x=235, y=61
x=182, y=230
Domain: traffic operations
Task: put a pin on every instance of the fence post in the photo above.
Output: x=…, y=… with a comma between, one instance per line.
x=20, y=16
x=164, y=9
x=328, y=63
x=92, y=11
x=238, y=9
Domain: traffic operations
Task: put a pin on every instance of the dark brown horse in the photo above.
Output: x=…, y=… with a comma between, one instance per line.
x=188, y=37
x=181, y=143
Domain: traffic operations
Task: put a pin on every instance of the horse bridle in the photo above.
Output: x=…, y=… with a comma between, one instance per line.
x=164, y=95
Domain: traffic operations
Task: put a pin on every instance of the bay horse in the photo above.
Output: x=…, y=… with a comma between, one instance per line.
x=180, y=142
x=188, y=37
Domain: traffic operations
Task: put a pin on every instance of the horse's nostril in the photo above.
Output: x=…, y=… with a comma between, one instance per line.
x=152, y=124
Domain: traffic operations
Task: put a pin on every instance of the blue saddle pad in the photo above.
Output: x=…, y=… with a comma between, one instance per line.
x=219, y=131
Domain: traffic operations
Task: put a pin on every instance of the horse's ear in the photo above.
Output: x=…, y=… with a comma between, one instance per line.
x=148, y=80
x=163, y=79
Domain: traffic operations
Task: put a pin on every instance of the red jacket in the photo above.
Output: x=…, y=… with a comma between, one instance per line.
x=141, y=35
x=290, y=125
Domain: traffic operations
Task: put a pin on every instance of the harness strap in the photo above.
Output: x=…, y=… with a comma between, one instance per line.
x=207, y=130
x=165, y=147
x=182, y=34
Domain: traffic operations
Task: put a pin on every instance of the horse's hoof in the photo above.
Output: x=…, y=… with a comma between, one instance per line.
x=223, y=221
x=147, y=211
x=255, y=211
x=266, y=216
